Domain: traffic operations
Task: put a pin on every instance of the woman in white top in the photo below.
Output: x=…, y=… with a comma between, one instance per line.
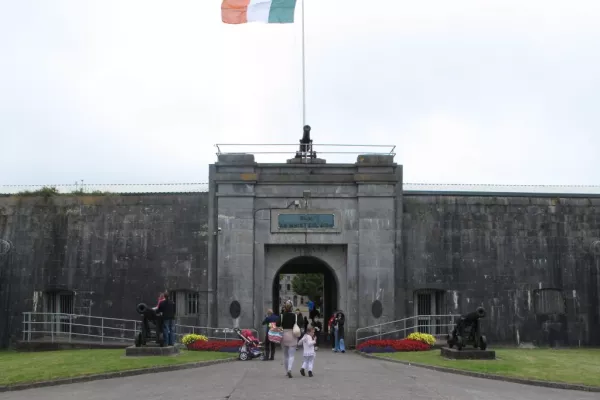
x=308, y=343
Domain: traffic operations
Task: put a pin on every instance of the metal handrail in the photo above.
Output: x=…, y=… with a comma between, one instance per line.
x=406, y=319
x=225, y=331
x=49, y=322
x=389, y=148
x=405, y=328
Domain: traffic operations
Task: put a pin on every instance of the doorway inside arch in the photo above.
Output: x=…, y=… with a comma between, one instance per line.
x=305, y=279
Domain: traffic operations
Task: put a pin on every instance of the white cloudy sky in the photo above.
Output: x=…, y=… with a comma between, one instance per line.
x=477, y=91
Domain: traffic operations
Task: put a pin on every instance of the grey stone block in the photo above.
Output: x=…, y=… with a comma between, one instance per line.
x=467, y=354
x=236, y=158
x=377, y=159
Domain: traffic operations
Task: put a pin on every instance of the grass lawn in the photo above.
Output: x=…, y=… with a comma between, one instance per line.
x=564, y=365
x=42, y=366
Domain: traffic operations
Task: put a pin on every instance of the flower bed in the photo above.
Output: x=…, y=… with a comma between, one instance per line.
x=192, y=337
x=228, y=346
x=422, y=337
x=392, y=346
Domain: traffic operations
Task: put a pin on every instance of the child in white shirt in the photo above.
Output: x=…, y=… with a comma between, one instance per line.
x=308, y=343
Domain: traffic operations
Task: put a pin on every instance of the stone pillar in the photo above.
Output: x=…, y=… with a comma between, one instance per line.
x=376, y=180
x=212, y=248
x=235, y=179
x=400, y=310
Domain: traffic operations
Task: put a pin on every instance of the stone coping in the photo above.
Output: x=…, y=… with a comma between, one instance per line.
x=467, y=354
x=532, y=382
x=111, y=375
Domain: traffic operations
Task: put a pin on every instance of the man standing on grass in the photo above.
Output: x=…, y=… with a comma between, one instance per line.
x=167, y=309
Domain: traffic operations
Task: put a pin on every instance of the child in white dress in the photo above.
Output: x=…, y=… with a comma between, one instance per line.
x=308, y=343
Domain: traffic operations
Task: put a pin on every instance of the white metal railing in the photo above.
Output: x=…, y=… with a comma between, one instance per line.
x=399, y=329
x=210, y=333
x=70, y=327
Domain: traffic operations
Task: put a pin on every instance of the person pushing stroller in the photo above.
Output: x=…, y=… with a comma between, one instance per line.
x=270, y=318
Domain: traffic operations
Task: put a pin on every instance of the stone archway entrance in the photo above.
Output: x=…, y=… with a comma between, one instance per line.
x=329, y=298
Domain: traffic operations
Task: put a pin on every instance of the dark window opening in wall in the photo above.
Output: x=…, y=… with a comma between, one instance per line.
x=428, y=310
x=295, y=300
x=59, y=302
x=280, y=286
x=58, y=306
x=187, y=303
x=289, y=287
x=549, y=302
x=301, y=300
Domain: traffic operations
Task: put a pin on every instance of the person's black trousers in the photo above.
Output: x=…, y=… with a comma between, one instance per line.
x=269, y=349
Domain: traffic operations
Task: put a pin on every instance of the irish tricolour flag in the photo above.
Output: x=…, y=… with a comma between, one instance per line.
x=267, y=11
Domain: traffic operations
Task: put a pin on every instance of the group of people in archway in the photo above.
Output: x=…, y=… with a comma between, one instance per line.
x=309, y=336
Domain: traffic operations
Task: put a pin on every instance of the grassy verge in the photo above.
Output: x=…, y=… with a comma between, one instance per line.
x=565, y=365
x=44, y=366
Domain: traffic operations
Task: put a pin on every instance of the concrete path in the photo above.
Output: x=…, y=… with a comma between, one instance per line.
x=337, y=376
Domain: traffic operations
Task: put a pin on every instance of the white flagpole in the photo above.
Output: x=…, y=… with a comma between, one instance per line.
x=303, y=72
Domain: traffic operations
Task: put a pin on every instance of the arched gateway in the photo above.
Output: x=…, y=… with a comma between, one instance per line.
x=342, y=220
x=312, y=265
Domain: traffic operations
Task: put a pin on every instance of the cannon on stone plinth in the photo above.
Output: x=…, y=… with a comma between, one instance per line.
x=152, y=326
x=468, y=331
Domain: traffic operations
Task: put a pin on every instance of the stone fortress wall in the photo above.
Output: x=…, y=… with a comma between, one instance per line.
x=532, y=261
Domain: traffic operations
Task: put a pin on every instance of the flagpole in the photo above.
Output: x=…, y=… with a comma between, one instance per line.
x=303, y=71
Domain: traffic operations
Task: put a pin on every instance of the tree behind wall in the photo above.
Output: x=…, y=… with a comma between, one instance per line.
x=309, y=285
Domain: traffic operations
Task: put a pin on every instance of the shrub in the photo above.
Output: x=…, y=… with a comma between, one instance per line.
x=228, y=346
x=422, y=337
x=46, y=192
x=192, y=337
x=390, y=346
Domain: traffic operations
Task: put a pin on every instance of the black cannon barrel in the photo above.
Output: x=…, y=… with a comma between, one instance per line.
x=475, y=315
x=142, y=308
x=147, y=312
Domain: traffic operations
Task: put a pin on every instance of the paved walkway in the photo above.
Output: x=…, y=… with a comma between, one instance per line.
x=337, y=376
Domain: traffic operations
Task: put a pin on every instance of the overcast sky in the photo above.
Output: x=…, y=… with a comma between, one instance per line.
x=475, y=91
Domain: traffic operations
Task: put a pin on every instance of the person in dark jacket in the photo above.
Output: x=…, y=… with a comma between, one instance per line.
x=289, y=341
x=331, y=331
x=318, y=331
x=338, y=326
x=166, y=309
x=269, y=346
x=301, y=325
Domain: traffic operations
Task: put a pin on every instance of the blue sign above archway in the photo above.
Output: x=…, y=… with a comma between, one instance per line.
x=305, y=221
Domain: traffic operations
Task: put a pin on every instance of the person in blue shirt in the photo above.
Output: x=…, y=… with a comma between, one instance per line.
x=269, y=346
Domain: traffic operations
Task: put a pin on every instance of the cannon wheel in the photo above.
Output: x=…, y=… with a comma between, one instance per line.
x=449, y=341
x=138, y=340
x=482, y=343
x=459, y=342
x=243, y=356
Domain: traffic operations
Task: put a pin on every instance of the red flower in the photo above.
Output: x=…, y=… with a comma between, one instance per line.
x=395, y=344
x=214, y=345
